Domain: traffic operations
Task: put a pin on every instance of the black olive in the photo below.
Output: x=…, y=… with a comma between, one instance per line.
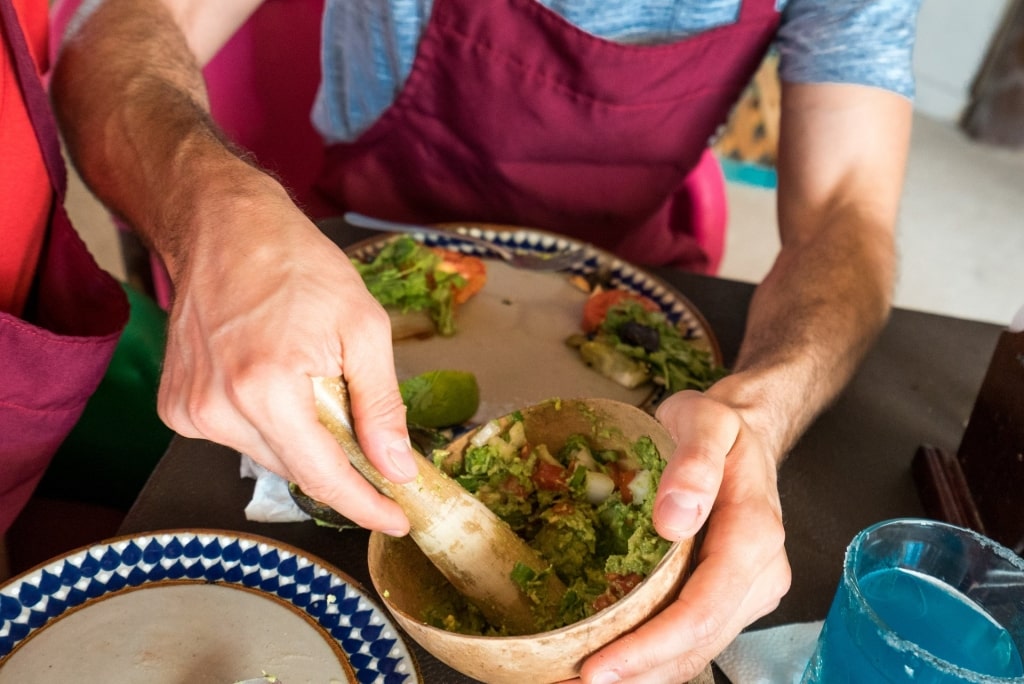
x=640, y=335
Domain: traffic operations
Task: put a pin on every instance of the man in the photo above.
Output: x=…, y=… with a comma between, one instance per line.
x=526, y=113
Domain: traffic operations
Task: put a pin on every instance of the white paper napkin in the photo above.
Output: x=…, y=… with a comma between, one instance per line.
x=777, y=655
x=270, y=501
x=1017, y=325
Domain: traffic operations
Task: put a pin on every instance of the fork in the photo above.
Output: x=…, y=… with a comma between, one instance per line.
x=532, y=261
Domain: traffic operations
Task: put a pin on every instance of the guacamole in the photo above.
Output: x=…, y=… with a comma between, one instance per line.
x=585, y=510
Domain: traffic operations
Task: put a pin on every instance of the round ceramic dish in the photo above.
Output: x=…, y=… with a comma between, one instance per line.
x=195, y=606
x=411, y=586
x=512, y=334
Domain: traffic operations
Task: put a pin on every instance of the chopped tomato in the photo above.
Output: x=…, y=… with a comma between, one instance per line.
x=596, y=307
x=623, y=584
x=551, y=477
x=622, y=477
x=513, y=486
x=603, y=601
x=471, y=268
x=618, y=586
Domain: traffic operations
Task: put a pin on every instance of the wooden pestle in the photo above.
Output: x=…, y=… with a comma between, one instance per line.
x=467, y=542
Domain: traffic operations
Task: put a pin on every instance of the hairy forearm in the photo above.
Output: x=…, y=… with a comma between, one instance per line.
x=841, y=162
x=132, y=104
x=809, y=325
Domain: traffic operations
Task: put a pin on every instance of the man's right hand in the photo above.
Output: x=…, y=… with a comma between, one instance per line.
x=264, y=303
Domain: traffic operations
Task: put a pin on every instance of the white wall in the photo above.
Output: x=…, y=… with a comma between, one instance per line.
x=952, y=39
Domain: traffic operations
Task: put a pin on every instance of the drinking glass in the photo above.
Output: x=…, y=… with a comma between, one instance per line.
x=924, y=602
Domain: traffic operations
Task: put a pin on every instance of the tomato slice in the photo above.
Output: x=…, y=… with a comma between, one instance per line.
x=471, y=268
x=596, y=308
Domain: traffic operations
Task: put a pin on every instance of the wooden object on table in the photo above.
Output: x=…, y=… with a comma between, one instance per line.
x=752, y=132
x=411, y=588
x=995, y=112
x=980, y=486
x=474, y=549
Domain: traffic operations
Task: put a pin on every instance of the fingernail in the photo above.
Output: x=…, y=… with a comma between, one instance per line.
x=395, y=533
x=400, y=453
x=678, y=513
x=606, y=677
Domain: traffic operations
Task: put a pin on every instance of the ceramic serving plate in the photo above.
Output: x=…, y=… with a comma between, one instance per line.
x=195, y=606
x=512, y=334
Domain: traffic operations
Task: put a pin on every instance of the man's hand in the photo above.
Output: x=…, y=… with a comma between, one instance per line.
x=722, y=473
x=265, y=302
x=810, y=323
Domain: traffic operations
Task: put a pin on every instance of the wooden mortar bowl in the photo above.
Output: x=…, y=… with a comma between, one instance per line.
x=409, y=583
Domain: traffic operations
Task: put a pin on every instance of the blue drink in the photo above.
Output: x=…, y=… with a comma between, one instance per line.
x=923, y=602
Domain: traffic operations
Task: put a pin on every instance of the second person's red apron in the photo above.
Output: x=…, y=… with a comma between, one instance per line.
x=54, y=355
x=512, y=115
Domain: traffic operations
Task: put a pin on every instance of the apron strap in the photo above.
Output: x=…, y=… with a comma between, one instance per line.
x=36, y=100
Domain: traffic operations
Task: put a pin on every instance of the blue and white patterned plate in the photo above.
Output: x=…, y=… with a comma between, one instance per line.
x=280, y=580
x=595, y=262
x=512, y=334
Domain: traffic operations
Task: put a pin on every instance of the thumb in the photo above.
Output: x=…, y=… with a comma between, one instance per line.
x=704, y=432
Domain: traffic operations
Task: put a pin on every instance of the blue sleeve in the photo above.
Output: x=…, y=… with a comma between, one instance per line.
x=867, y=42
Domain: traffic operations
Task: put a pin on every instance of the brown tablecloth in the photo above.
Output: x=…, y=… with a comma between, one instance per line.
x=851, y=469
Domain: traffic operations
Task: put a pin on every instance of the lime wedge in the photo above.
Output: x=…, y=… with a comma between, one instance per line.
x=440, y=398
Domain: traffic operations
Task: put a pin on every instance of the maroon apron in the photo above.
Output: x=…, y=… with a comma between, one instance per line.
x=54, y=355
x=512, y=115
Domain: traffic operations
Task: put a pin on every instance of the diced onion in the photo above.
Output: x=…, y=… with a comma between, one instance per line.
x=544, y=455
x=517, y=435
x=584, y=458
x=599, y=487
x=490, y=429
x=640, y=486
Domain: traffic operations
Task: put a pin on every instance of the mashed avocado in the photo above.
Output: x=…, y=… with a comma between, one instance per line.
x=586, y=511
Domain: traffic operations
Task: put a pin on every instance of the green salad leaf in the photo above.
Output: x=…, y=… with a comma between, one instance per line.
x=404, y=276
x=648, y=337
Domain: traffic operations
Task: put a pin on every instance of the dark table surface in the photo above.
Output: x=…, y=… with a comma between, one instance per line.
x=851, y=468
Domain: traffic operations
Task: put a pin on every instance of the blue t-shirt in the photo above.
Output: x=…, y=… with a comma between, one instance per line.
x=369, y=45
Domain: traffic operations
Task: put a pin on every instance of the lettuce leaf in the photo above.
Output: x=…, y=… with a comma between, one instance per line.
x=404, y=276
x=674, y=361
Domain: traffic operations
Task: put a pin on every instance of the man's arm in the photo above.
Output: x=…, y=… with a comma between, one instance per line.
x=841, y=163
x=131, y=101
x=263, y=301
x=842, y=157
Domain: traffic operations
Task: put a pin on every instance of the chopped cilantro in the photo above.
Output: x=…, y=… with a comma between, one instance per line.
x=404, y=276
x=649, y=338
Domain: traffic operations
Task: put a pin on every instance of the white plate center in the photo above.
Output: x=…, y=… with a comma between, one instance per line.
x=177, y=633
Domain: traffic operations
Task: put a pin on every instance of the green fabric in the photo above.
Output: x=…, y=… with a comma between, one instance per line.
x=119, y=439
